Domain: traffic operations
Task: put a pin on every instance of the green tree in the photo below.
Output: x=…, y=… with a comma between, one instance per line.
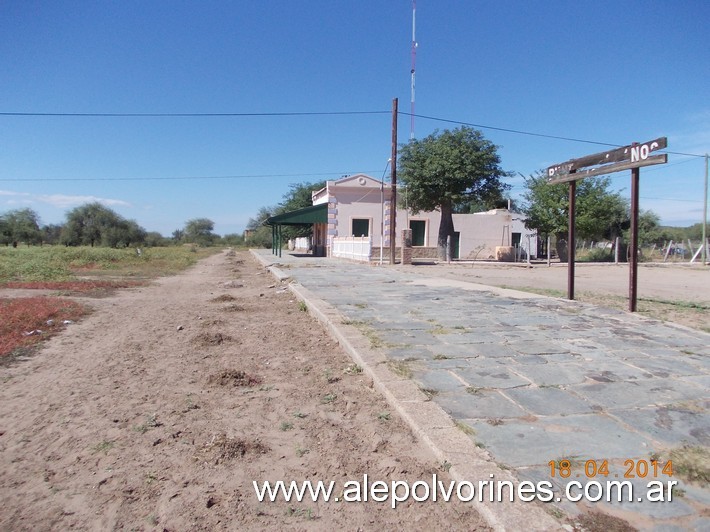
x=154, y=239
x=199, y=231
x=5, y=232
x=649, y=229
x=122, y=233
x=85, y=224
x=448, y=169
x=257, y=234
x=695, y=232
x=21, y=225
x=233, y=239
x=599, y=213
x=51, y=233
x=94, y=224
x=471, y=207
x=258, y=220
x=298, y=197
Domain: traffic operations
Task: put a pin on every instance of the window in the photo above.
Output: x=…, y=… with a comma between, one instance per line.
x=361, y=227
x=418, y=228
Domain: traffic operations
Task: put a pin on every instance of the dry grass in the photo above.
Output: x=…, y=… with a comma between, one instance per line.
x=233, y=377
x=222, y=448
x=691, y=463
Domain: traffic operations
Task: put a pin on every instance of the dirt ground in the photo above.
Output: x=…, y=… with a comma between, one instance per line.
x=159, y=410
x=672, y=292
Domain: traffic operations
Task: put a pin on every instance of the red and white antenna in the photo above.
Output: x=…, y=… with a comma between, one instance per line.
x=414, y=64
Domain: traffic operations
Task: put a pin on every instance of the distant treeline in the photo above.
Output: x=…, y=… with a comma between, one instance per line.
x=94, y=224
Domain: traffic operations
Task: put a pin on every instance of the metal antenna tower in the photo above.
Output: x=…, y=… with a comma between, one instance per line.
x=414, y=64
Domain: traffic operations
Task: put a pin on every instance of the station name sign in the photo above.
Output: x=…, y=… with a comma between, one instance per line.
x=624, y=158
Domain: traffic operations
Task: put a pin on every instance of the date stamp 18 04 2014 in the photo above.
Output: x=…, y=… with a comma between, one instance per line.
x=640, y=468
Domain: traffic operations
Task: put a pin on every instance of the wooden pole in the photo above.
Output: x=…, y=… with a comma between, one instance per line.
x=633, y=256
x=571, y=239
x=705, y=214
x=393, y=181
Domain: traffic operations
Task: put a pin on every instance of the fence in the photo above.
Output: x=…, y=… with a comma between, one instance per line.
x=671, y=251
x=352, y=247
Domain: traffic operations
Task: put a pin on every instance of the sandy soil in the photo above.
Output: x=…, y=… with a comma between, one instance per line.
x=600, y=284
x=159, y=410
x=671, y=282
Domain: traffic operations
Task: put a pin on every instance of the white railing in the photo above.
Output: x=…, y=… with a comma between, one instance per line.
x=352, y=247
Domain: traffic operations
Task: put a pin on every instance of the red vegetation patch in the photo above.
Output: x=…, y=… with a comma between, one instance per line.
x=22, y=316
x=72, y=286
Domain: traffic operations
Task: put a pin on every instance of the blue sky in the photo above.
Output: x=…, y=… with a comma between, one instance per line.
x=604, y=71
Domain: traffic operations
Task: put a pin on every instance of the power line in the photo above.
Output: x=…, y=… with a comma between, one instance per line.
x=326, y=113
x=516, y=131
x=542, y=135
x=673, y=199
x=184, y=178
x=193, y=115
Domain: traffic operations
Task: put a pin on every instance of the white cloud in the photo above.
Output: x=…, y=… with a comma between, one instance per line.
x=63, y=201
x=15, y=199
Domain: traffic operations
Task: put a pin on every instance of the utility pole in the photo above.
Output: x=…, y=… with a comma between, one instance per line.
x=414, y=64
x=393, y=182
x=705, y=215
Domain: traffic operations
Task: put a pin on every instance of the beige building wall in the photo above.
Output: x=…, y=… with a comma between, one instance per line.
x=358, y=202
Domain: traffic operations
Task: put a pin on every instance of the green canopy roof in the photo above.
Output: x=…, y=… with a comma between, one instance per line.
x=316, y=214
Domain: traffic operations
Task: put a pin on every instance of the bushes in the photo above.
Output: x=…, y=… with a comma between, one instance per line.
x=597, y=255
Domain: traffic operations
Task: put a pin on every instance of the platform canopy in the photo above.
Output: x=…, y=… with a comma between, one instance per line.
x=315, y=214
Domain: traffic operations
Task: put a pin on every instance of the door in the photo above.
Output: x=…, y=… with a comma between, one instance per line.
x=455, y=245
x=418, y=228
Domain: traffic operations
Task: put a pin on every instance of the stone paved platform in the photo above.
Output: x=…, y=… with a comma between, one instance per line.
x=537, y=380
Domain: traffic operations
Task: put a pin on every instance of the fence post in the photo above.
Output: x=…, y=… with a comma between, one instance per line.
x=670, y=244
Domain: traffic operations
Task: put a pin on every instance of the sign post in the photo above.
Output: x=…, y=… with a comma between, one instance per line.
x=631, y=157
x=634, y=230
x=571, y=239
